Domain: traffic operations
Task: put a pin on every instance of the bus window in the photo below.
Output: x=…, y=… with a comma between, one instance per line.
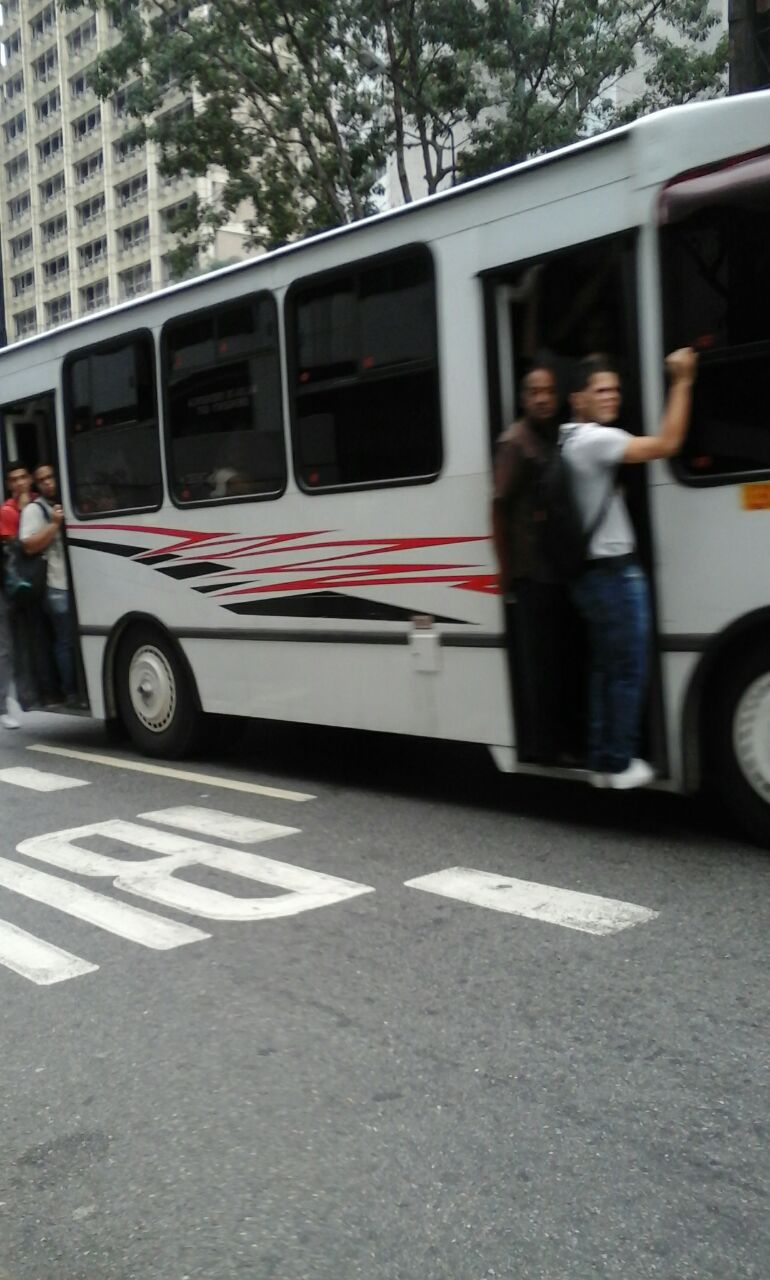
x=222, y=378
x=363, y=375
x=716, y=284
x=112, y=428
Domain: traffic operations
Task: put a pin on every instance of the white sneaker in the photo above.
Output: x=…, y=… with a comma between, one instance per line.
x=638, y=774
x=8, y=721
x=597, y=779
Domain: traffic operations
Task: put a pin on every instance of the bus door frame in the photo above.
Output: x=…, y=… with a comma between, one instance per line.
x=502, y=408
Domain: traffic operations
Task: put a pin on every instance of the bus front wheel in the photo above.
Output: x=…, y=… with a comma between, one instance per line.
x=155, y=694
x=741, y=742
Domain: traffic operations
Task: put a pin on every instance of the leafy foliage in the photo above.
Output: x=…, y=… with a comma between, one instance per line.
x=298, y=108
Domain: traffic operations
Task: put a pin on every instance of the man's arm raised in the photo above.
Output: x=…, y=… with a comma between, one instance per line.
x=681, y=366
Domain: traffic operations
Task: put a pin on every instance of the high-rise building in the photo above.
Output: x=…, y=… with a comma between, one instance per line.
x=85, y=216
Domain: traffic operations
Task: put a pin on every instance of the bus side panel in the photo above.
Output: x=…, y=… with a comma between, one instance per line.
x=364, y=686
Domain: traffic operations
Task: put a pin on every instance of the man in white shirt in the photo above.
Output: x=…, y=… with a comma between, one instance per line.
x=611, y=593
x=40, y=532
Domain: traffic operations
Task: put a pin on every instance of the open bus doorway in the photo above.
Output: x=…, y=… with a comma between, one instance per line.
x=28, y=437
x=556, y=311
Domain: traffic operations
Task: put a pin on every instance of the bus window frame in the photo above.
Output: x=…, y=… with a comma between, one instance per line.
x=320, y=278
x=95, y=347
x=743, y=351
x=490, y=276
x=227, y=500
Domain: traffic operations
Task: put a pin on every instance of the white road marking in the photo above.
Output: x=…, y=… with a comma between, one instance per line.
x=133, y=923
x=154, y=878
x=37, y=780
x=583, y=911
x=41, y=962
x=182, y=775
x=213, y=822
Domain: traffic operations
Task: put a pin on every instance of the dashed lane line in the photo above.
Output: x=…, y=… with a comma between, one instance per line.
x=583, y=911
x=213, y=822
x=38, y=780
x=41, y=962
x=164, y=771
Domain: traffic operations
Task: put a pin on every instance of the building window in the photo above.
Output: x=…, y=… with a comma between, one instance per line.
x=81, y=39
x=112, y=428
x=80, y=85
x=14, y=87
x=135, y=281
x=56, y=268
x=132, y=190
x=169, y=121
x=223, y=385
x=23, y=283
x=120, y=103
x=51, y=189
x=25, y=323
x=172, y=214
x=43, y=23
x=364, y=378
x=58, y=310
x=134, y=234
x=17, y=169
x=46, y=65
x=87, y=169
x=90, y=210
x=94, y=296
x=49, y=149
x=12, y=46
x=15, y=128
x=125, y=6
x=54, y=228
x=21, y=246
x=19, y=207
x=48, y=106
x=86, y=124
x=93, y=253
x=127, y=146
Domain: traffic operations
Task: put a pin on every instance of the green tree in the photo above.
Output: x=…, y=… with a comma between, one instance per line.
x=301, y=106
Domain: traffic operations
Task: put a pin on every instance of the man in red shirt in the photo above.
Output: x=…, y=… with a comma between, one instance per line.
x=19, y=482
x=30, y=657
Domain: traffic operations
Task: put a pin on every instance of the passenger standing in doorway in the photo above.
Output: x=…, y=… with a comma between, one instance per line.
x=539, y=612
x=611, y=593
x=40, y=532
x=26, y=622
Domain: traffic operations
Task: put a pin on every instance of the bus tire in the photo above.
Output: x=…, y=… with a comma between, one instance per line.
x=740, y=742
x=156, y=696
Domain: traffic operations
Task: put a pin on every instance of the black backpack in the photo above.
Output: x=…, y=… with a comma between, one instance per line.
x=564, y=540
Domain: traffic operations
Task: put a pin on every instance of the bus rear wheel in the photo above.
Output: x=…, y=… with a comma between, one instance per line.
x=155, y=695
x=741, y=742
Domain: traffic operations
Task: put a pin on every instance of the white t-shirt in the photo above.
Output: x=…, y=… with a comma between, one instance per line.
x=34, y=520
x=594, y=453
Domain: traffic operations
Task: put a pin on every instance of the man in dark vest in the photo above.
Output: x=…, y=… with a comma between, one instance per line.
x=540, y=618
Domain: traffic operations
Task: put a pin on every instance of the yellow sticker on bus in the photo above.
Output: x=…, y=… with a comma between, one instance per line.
x=755, y=497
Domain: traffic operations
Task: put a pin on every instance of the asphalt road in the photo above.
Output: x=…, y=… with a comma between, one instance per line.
x=392, y=1085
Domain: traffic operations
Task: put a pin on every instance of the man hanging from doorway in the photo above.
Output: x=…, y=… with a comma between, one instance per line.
x=539, y=616
x=40, y=532
x=611, y=591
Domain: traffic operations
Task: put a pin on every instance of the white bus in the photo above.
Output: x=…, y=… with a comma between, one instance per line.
x=276, y=478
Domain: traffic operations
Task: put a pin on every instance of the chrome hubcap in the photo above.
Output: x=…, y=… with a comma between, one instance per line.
x=751, y=735
x=152, y=688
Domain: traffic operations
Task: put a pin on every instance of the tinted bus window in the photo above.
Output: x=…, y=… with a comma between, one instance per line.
x=223, y=395
x=112, y=428
x=716, y=264
x=364, y=375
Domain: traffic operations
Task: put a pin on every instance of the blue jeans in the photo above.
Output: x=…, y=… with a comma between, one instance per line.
x=58, y=609
x=614, y=603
